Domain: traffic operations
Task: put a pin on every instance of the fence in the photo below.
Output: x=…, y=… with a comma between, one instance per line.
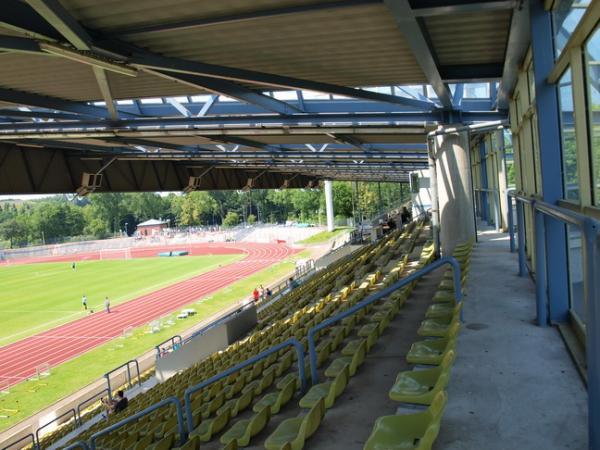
x=128, y=366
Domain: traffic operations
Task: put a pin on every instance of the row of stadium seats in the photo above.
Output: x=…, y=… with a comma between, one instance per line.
x=216, y=406
x=425, y=386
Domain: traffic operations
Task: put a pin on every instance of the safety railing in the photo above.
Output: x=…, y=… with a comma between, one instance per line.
x=171, y=343
x=590, y=231
x=292, y=342
x=128, y=366
x=312, y=352
x=496, y=196
x=167, y=401
x=88, y=400
x=56, y=419
x=14, y=445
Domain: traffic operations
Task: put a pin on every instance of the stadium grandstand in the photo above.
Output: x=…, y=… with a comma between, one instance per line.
x=465, y=318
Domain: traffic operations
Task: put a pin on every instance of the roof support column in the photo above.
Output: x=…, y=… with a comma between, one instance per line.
x=454, y=189
x=329, y=205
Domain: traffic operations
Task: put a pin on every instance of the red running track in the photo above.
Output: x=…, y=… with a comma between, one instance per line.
x=19, y=360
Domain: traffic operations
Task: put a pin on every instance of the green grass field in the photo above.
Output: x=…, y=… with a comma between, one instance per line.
x=83, y=370
x=324, y=236
x=37, y=297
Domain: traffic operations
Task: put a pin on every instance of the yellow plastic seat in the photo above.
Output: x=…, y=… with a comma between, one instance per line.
x=444, y=297
x=421, y=386
x=292, y=433
x=164, y=444
x=281, y=383
x=236, y=405
x=275, y=400
x=192, y=444
x=209, y=427
x=430, y=352
x=441, y=327
x=143, y=443
x=371, y=332
x=353, y=362
x=328, y=391
x=243, y=430
x=409, y=431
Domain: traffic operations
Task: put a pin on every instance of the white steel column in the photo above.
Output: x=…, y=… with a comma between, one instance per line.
x=329, y=204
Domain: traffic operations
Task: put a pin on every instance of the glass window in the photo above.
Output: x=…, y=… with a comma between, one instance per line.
x=477, y=90
x=592, y=59
x=566, y=16
x=575, y=256
x=568, y=142
x=509, y=155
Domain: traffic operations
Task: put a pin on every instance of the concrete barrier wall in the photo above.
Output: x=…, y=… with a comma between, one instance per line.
x=212, y=340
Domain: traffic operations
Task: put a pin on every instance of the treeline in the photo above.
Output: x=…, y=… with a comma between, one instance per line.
x=60, y=218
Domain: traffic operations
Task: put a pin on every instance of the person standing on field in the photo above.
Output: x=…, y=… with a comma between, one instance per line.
x=255, y=294
x=84, y=302
x=107, y=304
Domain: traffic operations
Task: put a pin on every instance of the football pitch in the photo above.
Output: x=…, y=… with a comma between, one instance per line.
x=37, y=297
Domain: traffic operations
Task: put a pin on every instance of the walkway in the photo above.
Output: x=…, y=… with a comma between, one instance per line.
x=513, y=384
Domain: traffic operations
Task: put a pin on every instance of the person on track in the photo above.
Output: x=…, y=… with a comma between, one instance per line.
x=84, y=302
x=107, y=304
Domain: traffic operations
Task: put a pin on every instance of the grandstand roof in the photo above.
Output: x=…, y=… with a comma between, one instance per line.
x=144, y=90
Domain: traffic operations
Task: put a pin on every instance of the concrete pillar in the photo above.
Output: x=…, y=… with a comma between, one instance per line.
x=329, y=205
x=455, y=192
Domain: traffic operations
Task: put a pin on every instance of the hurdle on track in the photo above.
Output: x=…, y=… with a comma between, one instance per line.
x=42, y=371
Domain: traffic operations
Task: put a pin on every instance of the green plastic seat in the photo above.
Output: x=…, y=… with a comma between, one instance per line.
x=243, y=430
x=236, y=405
x=421, y=386
x=444, y=297
x=210, y=427
x=441, y=327
x=285, y=380
x=164, y=444
x=430, y=352
x=353, y=362
x=371, y=332
x=192, y=444
x=292, y=433
x=328, y=391
x=409, y=431
x=275, y=400
x=351, y=347
x=439, y=310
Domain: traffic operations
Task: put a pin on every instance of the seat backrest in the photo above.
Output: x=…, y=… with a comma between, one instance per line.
x=448, y=359
x=341, y=380
x=312, y=419
x=259, y=420
x=437, y=406
x=287, y=392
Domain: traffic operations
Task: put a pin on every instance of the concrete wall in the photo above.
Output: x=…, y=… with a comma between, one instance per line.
x=214, y=339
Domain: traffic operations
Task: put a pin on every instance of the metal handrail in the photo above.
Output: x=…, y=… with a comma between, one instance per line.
x=80, y=405
x=312, y=353
x=127, y=364
x=167, y=401
x=27, y=436
x=590, y=229
x=292, y=342
x=172, y=342
x=68, y=412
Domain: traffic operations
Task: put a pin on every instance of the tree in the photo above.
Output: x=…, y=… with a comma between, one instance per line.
x=251, y=219
x=231, y=219
x=195, y=208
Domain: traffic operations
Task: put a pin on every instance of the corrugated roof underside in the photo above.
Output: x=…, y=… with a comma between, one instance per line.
x=353, y=46
x=477, y=38
x=48, y=75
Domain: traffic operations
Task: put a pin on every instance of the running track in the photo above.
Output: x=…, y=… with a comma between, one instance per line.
x=19, y=360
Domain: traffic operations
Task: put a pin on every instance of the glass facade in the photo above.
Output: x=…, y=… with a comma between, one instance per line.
x=592, y=62
x=575, y=257
x=566, y=16
x=568, y=140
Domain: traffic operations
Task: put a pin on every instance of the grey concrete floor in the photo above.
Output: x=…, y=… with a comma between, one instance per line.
x=514, y=384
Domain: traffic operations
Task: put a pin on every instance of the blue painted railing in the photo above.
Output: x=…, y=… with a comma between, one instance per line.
x=292, y=342
x=89, y=399
x=56, y=419
x=590, y=230
x=173, y=343
x=29, y=436
x=167, y=401
x=128, y=365
x=312, y=352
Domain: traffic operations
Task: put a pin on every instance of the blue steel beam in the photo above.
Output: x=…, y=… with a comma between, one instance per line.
x=53, y=103
x=147, y=60
x=396, y=120
x=415, y=35
x=230, y=89
x=457, y=98
x=18, y=16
